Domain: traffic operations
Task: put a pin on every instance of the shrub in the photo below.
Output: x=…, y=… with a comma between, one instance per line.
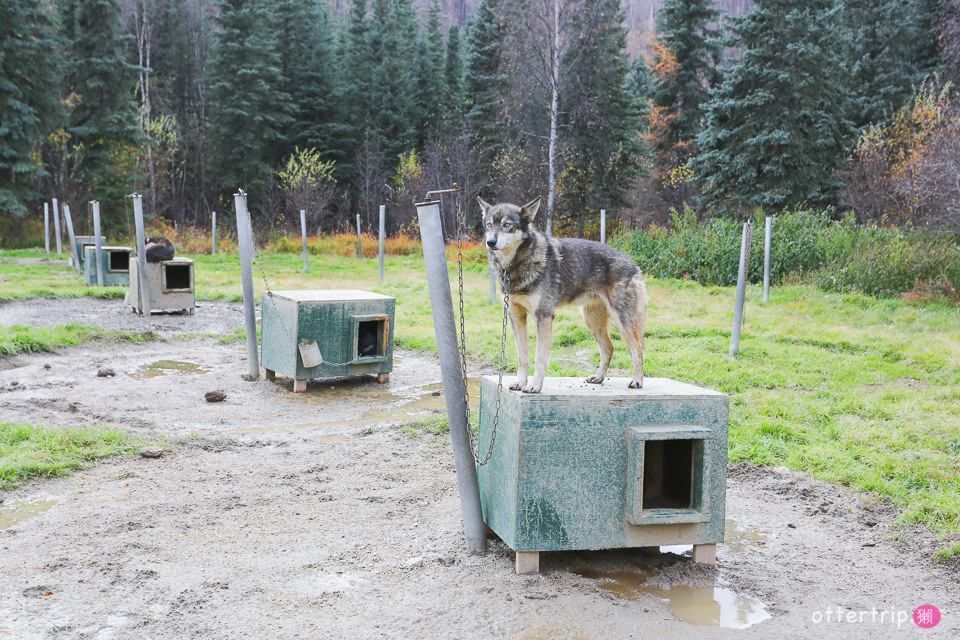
x=890, y=262
x=837, y=255
x=709, y=251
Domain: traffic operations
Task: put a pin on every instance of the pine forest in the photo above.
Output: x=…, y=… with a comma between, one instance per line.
x=338, y=107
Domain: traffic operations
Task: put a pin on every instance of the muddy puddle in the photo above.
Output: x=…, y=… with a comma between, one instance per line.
x=167, y=367
x=735, y=540
x=14, y=513
x=375, y=403
x=712, y=605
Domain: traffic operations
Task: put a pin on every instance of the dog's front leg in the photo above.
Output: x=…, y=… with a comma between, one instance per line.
x=518, y=322
x=542, y=357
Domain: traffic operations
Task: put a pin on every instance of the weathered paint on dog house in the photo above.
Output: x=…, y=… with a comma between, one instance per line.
x=114, y=262
x=170, y=285
x=80, y=244
x=353, y=331
x=585, y=466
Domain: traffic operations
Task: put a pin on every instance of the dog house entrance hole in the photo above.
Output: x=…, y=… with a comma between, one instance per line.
x=177, y=277
x=119, y=261
x=668, y=474
x=370, y=338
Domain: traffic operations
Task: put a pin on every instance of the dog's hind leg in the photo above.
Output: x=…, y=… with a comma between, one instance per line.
x=518, y=322
x=633, y=336
x=598, y=322
x=542, y=356
x=631, y=314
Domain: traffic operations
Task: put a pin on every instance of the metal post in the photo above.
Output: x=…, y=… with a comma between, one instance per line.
x=56, y=225
x=438, y=281
x=46, y=226
x=603, y=226
x=68, y=219
x=359, y=240
x=213, y=233
x=493, y=280
x=303, y=233
x=97, y=243
x=141, y=254
x=383, y=236
x=245, y=241
x=742, y=273
x=768, y=232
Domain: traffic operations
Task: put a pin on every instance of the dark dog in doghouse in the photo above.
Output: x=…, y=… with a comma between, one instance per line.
x=367, y=339
x=159, y=249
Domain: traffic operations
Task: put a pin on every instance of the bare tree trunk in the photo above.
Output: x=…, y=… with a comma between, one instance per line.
x=554, y=108
x=141, y=16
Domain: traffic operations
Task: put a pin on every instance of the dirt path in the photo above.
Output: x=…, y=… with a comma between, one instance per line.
x=318, y=516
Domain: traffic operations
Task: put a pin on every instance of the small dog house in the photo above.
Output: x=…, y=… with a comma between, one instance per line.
x=585, y=466
x=80, y=244
x=318, y=334
x=114, y=265
x=170, y=286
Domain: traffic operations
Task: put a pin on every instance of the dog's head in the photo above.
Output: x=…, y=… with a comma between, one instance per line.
x=506, y=225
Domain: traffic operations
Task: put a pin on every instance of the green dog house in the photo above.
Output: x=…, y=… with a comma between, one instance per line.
x=582, y=466
x=326, y=333
x=114, y=264
x=80, y=244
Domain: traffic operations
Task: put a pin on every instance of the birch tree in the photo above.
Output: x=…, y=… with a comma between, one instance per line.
x=552, y=36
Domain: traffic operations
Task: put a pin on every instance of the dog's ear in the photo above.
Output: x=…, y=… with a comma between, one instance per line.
x=529, y=210
x=484, y=205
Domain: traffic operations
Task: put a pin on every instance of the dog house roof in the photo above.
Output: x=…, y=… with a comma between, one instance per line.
x=612, y=388
x=329, y=295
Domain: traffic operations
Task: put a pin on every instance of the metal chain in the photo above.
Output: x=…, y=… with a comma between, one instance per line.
x=463, y=345
x=266, y=285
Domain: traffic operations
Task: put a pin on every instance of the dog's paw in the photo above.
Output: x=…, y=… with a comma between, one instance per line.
x=532, y=388
x=635, y=384
x=595, y=380
x=516, y=386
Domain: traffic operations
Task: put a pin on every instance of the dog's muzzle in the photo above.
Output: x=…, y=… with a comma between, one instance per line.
x=492, y=243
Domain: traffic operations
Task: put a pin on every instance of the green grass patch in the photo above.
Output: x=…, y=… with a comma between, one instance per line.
x=948, y=554
x=29, y=452
x=18, y=338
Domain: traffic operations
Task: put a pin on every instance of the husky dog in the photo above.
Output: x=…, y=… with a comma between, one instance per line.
x=544, y=272
x=159, y=249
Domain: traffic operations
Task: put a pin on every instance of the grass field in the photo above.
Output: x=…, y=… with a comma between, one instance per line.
x=855, y=390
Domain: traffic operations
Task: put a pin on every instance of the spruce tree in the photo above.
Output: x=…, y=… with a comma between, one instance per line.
x=28, y=71
x=356, y=65
x=642, y=83
x=686, y=37
x=892, y=47
x=430, y=77
x=249, y=109
x=485, y=86
x=312, y=81
x=392, y=42
x=601, y=143
x=453, y=77
x=778, y=127
x=101, y=85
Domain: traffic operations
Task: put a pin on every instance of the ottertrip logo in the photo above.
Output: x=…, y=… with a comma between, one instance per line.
x=925, y=616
